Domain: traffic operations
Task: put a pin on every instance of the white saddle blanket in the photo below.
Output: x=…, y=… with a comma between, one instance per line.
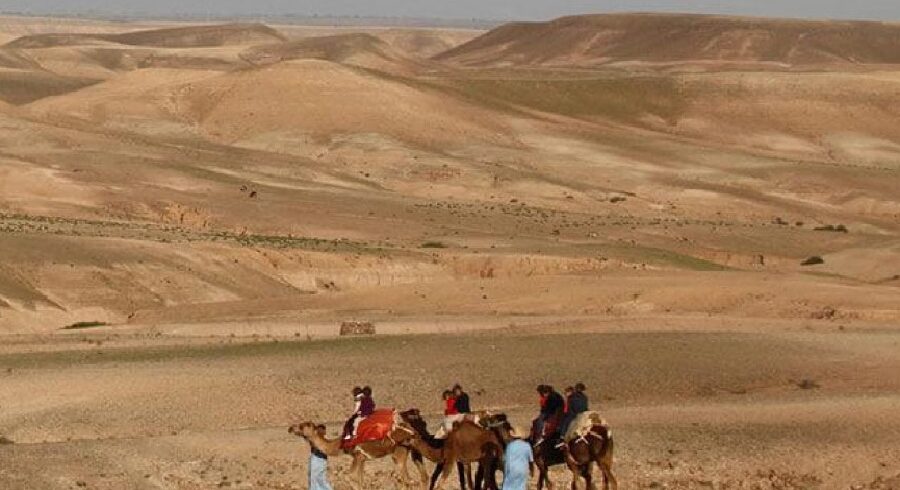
x=447, y=425
x=581, y=426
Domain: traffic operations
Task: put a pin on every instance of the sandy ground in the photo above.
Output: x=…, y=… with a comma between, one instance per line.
x=711, y=243
x=717, y=409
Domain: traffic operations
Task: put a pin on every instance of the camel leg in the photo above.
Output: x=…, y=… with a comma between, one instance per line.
x=489, y=477
x=573, y=468
x=468, y=469
x=586, y=474
x=438, y=468
x=355, y=470
x=449, y=463
x=359, y=472
x=397, y=474
x=400, y=457
x=423, y=474
x=609, y=480
x=605, y=462
x=492, y=474
x=486, y=476
x=544, y=478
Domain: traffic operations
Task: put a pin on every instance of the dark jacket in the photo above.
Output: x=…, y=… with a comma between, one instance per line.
x=578, y=403
x=366, y=406
x=554, y=405
x=462, y=404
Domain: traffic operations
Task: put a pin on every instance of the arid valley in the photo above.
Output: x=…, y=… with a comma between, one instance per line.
x=696, y=216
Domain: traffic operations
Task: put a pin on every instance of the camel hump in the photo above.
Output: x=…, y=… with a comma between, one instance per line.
x=375, y=427
x=583, y=423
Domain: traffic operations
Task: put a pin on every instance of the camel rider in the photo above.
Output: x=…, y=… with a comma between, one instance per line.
x=318, y=465
x=552, y=406
x=352, y=422
x=462, y=400
x=576, y=403
x=449, y=403
x=367, y=403
x=452, y=414
x=364, y=405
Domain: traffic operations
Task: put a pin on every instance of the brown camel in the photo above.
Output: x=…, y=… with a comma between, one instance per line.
x=579, y=455
x=545, y=453
x=393, y=445
x=433, y=449
x=595, y=447
x=467, y=443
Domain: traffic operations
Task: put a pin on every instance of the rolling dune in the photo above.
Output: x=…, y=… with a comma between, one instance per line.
x=176, y=37
x=672, y=38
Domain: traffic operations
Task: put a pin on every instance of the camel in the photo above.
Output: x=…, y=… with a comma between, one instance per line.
x=545, y=454
x=433, y=450
x=579, y=455
x=392, y=446
x=467, y=443
x=595, y=447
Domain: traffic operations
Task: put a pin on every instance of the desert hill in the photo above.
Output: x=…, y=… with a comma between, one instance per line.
x=423, y=44
x=46, y=64
x=21, y=87
x=303, y=98
x=10, y=58
x=600, y=39
x=357, y=49
x=177, y=37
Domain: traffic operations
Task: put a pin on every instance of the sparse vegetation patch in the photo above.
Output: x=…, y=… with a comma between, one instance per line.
x=814, y=260
x=82, y=325
x=433, y=245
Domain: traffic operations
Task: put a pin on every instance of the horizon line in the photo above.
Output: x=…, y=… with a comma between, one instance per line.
x=438, y=21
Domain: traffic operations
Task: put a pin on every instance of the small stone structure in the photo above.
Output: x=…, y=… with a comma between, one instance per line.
x=357, y=328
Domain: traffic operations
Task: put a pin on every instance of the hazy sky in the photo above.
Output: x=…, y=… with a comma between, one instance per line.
x=463, y=9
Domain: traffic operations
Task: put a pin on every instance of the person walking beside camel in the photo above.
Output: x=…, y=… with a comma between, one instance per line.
x=518, y=462
x=318, y=465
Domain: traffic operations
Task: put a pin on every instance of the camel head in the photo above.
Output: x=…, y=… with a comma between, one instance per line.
x=413, y=418
x=493, y=419
x=403, y=434
x=500, y=425
x=303, y=429
x=411, y=441
x=411, y=414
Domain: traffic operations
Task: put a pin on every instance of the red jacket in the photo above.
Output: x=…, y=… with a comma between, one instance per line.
x=450, y=408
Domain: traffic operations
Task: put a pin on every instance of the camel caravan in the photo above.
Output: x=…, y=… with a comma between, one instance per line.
x=565, y=432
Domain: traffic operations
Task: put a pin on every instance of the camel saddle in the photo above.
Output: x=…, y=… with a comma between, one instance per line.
x=582, y=424
x=375, y=427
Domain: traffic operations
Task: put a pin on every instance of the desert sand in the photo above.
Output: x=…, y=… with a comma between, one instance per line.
x=696, y=216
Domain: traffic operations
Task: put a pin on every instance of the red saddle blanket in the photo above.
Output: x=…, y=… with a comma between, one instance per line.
x=375, y=427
